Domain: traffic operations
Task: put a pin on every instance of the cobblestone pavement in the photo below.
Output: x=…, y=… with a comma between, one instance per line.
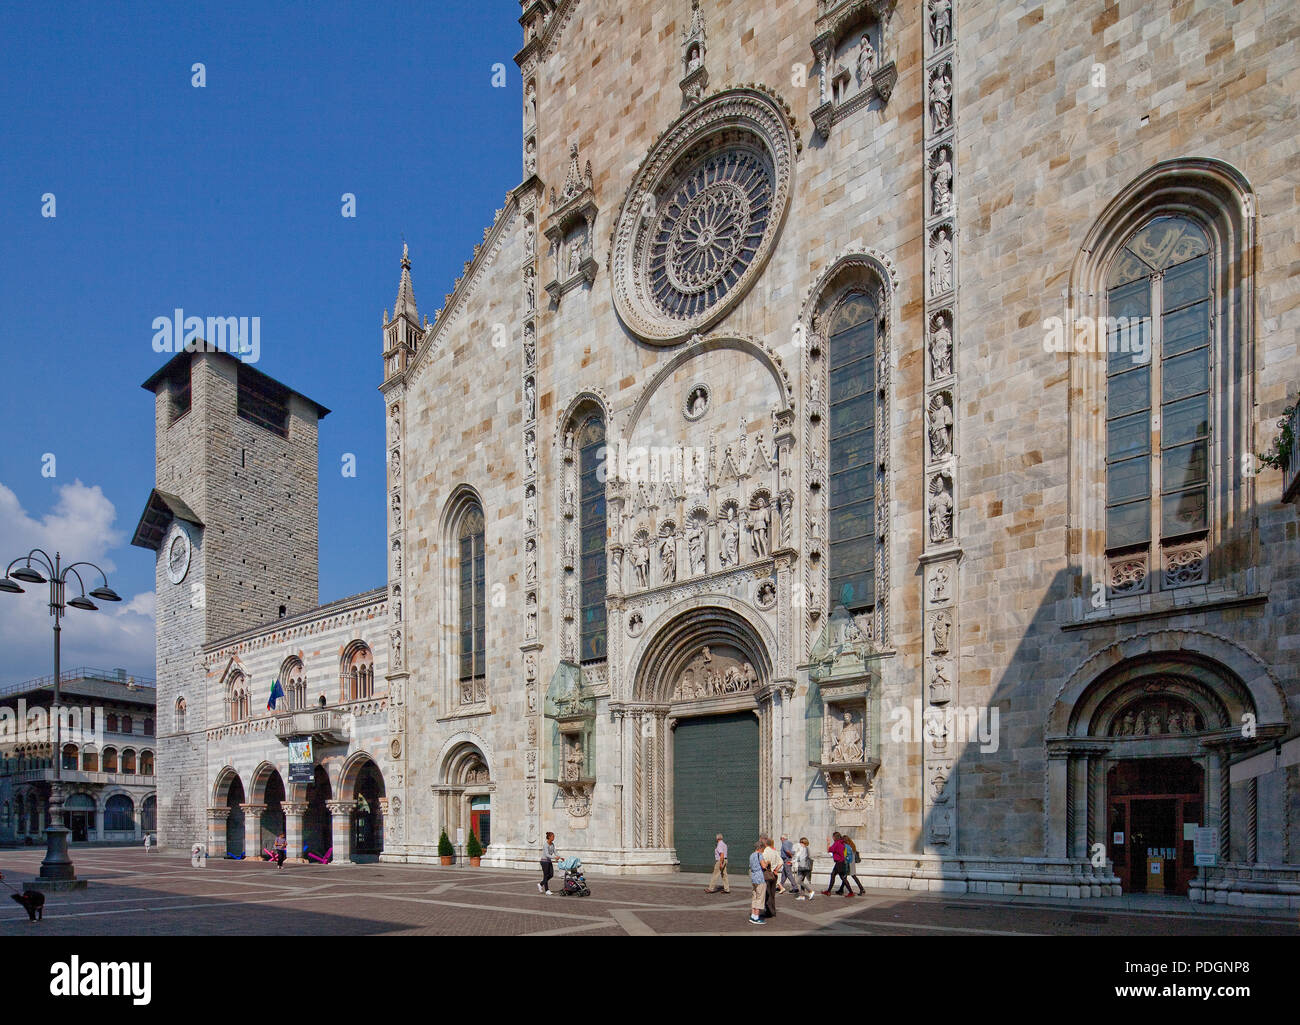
x=133, y=893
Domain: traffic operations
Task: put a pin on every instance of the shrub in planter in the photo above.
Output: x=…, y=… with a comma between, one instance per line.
x=473, y=849
x=445, y=850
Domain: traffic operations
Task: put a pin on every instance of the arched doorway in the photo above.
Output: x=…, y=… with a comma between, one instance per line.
x=1139, y=747
x=317, y=829
x=701, y=716
x=79, y=816
x=362, y=786
x=269, y=792
x=466, y=793
x=235, y=817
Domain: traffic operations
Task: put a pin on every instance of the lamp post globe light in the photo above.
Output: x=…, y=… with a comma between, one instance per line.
x=57, y=872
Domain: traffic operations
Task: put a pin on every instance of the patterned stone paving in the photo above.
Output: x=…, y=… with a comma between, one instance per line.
x=132, y=893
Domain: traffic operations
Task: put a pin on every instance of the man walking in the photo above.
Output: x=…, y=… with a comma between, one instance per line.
x=787, y=883
x=771, y=868
x=719, y=868
x=836, y=851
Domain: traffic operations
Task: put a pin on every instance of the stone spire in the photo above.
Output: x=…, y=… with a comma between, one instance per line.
x=405, y=294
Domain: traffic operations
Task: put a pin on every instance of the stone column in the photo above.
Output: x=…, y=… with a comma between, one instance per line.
x=293, y=814
x=217, y=832
x=341, y=827
x=1079, y=795
x=253, y=829
x=1252, y=820
x=99, y=820
x=1058, y=803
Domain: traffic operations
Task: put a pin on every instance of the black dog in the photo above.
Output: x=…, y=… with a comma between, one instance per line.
x=33, y=903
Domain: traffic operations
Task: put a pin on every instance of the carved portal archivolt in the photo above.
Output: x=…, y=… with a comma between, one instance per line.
x=710, y=656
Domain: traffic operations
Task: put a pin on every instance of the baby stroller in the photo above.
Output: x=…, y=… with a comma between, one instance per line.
x=575, y=884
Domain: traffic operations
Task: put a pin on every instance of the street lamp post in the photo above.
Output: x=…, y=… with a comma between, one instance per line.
x=57, y=872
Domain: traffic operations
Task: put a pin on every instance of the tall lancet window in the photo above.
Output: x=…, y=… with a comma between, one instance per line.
x=591, y=541
x=1158, y=379
x=472, y=605
x=852, y=399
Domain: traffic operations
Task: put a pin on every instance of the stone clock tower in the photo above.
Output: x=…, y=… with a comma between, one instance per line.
x=233, y=520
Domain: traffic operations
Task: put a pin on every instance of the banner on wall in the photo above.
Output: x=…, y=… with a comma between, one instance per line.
x=301, y=762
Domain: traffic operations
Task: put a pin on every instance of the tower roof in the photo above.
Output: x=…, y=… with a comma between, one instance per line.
x=161, y=374
x=405, y=293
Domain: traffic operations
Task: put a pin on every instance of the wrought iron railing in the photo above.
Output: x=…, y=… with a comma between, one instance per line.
x=80, y=673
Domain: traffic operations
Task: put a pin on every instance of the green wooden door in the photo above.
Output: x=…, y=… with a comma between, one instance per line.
x=715, y=789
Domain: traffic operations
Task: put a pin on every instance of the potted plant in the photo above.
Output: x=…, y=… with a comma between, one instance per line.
x=445, y=850
x=473, y=849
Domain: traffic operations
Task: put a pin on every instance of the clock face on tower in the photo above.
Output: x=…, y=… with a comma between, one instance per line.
x=177, y=553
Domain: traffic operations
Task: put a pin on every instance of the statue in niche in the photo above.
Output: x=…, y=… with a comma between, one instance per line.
x=730, y=531
x=866, y=59
x=940, y=511
x=530, y=240
x=530, y=604
x=940, y=681
x=530, y=561
x=397, y=510
x=941, y=263
x=397, y=558
x=847, y=743
x=697, y=403
x=530, y=345
x=530, y=289
x=941, y=98
x=530, y=105
x=1140, y=725
x=396, y=638
x=941, y=180
x=939, y=416
x=695, y=546
x=941, y=22
x=668, y=558
x=530, y=399
x=395, y=424
x=938, y=781
x=940, y=348
x=530, y=667
x=759, y=518
x=530, y=509
x=940, y=630
x=573, y=760
x=575, y=255
x=530, y=157
x=641, y=561
x=530, y=452
x=939, y=583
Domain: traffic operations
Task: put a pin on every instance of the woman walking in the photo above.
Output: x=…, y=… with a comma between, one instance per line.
x=851, y=859
x=803, y=865
x=281, y=849
x=548, y=868
x=758, y=884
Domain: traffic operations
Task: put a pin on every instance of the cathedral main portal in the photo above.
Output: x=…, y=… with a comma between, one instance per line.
x=715, y=788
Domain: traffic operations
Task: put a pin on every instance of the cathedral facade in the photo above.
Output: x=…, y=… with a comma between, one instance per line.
x=852, y=420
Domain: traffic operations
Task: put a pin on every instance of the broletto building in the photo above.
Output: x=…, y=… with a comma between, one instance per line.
x=849, y=421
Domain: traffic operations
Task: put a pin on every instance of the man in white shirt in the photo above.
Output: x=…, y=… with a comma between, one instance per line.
x=719, y=868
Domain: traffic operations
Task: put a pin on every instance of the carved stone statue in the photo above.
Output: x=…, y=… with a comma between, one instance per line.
x=530, y=452
x=940, y=581
x=530, y=158
x=940, y=349
x=758, y=528
x=941, y=22
x=730, y=531
x=695, y=546
x=940, y=631
x=847, y=744
x=940, y=263
x=573, y=760
x=397, y=510
x=941, y=182
x=641, y=561
x=530, y=561
x=939, y=417
x=530, y=509
x=396, y=640
x=530, y=288
x=530, y=106
x=940, y=512
x=530, y=399
x=530, y=604
x=866, y=59
x=530, y=345
x=668, y=558
x=941, y=98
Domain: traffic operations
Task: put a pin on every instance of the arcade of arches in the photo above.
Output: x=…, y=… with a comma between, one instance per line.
x=318, y=826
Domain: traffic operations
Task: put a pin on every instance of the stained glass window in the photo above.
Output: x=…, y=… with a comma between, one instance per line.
x=472, y=595
x=591, y=541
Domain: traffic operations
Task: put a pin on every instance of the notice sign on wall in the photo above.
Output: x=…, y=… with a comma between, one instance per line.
x=1205, y=847
x=301, y=762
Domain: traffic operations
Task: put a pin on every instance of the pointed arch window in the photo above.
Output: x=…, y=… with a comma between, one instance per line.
x=1159, y=414
x=591, y=541
x=472, y=605
x=852, y=341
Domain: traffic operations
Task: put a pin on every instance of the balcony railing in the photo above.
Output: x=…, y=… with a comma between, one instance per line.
x=80, y=776
x=324, y=726
x=80, y=673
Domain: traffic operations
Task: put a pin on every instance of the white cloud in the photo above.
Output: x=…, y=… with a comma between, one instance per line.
x=119, y=635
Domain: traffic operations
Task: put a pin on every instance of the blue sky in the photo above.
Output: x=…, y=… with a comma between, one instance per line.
x=222, y=200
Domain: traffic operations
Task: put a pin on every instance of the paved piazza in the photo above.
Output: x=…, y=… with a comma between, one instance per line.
x=161, y=894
